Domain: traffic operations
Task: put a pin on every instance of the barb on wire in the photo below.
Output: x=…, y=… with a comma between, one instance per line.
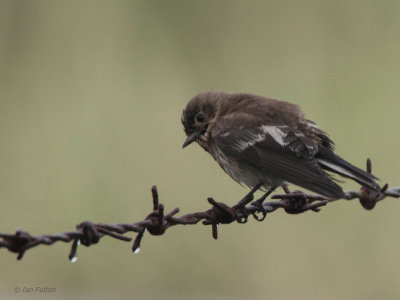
x=157, y=222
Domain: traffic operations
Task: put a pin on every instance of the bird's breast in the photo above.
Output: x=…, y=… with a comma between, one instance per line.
x=242, y=172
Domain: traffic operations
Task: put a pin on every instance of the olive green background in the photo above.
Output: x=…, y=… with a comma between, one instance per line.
x=91, y=94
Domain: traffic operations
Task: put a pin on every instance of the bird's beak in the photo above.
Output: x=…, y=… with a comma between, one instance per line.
x=190, y=139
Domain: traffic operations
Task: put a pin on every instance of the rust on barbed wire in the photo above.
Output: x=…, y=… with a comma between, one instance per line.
x=157, y=222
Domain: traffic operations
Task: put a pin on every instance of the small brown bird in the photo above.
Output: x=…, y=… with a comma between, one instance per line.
x=265, y=142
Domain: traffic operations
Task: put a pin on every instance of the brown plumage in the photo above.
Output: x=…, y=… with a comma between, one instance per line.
x=257, y=140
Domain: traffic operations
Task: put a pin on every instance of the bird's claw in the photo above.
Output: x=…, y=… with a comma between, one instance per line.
x=241, y=215
x=260, y=209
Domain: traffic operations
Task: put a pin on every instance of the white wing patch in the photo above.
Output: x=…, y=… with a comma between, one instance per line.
x=276, y=133
x=225, y=134
x=250, y=141
x=312, y=124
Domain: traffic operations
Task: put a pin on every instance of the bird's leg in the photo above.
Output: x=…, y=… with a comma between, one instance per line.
x=239, y=207
x=259, y=203
x=248, y=198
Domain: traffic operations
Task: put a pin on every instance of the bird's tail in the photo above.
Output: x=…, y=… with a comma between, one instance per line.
x=333, y=163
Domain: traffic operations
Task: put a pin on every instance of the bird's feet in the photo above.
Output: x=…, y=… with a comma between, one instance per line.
x=259, y=204
x=242, y=215
x=240, y=212
x=260, y=209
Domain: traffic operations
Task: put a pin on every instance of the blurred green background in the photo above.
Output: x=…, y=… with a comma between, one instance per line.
x=91, y=98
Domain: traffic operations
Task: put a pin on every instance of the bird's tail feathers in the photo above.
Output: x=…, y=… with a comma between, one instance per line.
x=333, y=163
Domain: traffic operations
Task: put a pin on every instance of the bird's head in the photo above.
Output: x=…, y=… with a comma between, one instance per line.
x=197, y=117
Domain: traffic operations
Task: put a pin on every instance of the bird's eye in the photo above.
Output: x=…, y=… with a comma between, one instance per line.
x=200, y=118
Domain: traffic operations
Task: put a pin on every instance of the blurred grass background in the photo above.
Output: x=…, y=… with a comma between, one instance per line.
x=91, y=98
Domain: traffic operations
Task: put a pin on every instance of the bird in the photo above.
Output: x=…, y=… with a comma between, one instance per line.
x=266, y=143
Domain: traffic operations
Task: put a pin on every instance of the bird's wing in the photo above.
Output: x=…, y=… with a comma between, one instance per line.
x=279, y=150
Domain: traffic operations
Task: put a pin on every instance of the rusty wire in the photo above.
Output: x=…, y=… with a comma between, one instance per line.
x=157, y=222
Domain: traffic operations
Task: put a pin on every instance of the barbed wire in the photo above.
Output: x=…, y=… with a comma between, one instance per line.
x=157, y=222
